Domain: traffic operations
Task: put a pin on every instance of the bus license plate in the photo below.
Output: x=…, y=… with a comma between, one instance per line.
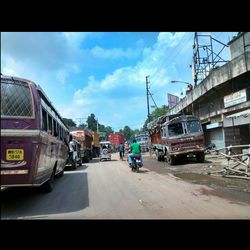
x=14, y=154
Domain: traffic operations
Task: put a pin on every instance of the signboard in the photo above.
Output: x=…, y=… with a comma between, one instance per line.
x=172, y=100
x=213, y=125
x=235, y=98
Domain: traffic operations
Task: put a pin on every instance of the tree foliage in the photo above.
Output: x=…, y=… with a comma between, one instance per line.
x=92, y=122
x=69, y=122
x=155, y=114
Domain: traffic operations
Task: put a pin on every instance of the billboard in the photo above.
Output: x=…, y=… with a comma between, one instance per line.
x=172, y=100
x=235, y=98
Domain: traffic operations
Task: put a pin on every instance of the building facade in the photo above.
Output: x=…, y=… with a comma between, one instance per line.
x=222, y=99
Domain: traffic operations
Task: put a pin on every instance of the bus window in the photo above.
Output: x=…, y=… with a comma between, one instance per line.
x=16, y=99
x=50, y=124
x=44, y=120
x=55, y=133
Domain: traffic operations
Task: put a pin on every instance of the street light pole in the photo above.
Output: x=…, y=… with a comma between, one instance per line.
x=180, y=81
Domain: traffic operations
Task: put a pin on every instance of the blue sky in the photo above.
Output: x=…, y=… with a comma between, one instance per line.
x=103, y=72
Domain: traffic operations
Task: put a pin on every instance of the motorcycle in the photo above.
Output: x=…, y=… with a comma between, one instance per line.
x=136, y=163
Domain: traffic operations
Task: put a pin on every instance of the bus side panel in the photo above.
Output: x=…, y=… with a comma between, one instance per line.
x=52, y=153
x=19, y=170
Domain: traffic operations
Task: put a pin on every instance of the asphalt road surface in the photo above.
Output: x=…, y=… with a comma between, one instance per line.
x=109, y=190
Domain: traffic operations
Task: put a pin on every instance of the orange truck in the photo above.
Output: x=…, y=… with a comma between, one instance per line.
x=85, y=138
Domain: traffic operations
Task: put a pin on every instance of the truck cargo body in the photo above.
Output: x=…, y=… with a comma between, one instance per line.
x=116, y=139
x=85, y=138
x=96, y=144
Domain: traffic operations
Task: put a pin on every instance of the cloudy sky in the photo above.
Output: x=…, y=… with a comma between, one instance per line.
x=104, y=72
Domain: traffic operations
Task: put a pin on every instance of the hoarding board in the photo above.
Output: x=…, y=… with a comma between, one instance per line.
x=235, y=98
x=172, y=100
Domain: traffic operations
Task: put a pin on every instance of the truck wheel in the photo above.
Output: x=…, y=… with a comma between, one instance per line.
x=171, y=160
x=200, y=157
x=158, y=157
x=85, y=159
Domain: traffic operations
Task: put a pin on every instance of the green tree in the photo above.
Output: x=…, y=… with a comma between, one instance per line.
x=69, y=122
x=128, y=132
x=92, y=122
x=155, y=114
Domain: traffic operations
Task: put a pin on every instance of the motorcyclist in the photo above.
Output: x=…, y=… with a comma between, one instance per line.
x=135, y=149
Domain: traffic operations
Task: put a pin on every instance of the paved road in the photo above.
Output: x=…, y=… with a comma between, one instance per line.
x=109, y=190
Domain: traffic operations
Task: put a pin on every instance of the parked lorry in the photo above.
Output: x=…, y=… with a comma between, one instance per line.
x=96, y=144
x=177, y=136
x=144, y=141
x=116, y=139
x=85, y=138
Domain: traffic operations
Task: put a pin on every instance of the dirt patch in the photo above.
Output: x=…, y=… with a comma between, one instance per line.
x=235, y=190
x=235, y=197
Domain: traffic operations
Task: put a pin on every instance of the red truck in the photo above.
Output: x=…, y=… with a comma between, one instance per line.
x=177, y=136
x=116, y=139
x=85, y=138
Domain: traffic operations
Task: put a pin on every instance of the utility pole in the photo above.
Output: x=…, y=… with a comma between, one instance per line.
x=147, y=90
x=97, y=126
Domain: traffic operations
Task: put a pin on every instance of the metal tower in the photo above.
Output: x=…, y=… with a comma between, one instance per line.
x=204, y=56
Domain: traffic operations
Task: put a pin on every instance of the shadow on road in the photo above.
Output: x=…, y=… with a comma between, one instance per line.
x=70, y=194
x=94, y=160
x=79, y=168
x=143, y=171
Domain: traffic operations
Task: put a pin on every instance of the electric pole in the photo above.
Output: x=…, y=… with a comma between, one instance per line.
x=147, y=82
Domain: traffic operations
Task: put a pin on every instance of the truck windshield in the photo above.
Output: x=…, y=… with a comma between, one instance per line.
x=175, y=129
x=193, y=126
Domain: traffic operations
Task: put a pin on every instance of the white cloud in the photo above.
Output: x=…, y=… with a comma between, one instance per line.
x=115, y=53
x=124, y=88
x=120, y=96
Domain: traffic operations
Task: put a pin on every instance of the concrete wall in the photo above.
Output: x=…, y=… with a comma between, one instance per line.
x=239, y=45
x=217, y=77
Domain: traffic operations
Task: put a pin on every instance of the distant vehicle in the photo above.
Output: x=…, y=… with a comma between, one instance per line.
x=116, y=139
x=33, y=136
x=144, y=141
x=106, y=149
x=96, y=144
x=85, y=138
x=177, y=136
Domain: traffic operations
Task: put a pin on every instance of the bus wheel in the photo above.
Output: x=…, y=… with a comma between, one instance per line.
x=61, y=173
x=49, y=184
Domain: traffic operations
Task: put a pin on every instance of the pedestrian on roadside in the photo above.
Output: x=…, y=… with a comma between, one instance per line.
x=121, y=150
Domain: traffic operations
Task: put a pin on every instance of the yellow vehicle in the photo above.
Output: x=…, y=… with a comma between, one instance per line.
x=95, y=144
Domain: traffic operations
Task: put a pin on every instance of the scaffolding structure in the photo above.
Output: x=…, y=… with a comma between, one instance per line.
x=204, y=56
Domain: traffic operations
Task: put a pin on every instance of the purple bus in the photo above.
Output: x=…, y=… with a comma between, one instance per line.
x=33, y=136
